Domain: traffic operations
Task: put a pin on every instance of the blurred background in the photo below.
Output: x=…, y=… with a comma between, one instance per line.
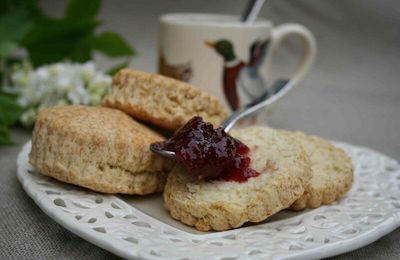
x=352, y=94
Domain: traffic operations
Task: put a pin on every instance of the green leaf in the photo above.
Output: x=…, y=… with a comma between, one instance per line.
x=49, y=29
x=7, y=48
x=83, y=49
x=49, y=52
x=53, y=40
x=112, y=71
x=8, y=100
x=10, y=117
x=14, y=25
x=5, y=5
x=82, y=9
x=12, y=5
x=10, y=111
x=112, y=45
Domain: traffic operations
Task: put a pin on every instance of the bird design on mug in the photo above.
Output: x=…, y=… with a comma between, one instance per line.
x=240, y=75
x=183, y=72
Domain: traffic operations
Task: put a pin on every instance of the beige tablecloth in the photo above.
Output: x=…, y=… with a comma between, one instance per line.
x=351, y=95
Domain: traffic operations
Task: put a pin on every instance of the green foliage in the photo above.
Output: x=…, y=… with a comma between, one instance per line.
x=6, y=48
x=53, y=40
x=83, y=49
x=13, y=27
x=116, y=68
x=10, y=112
x=47, y=39
x=9, y=109
x=23, y=25
x=84, y=10
x=112, y=44
x=73, y=37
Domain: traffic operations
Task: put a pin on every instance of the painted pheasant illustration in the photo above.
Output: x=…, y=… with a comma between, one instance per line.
x=181, y=72
x=238, y=75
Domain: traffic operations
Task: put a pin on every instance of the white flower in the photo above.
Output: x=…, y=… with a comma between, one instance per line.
x=87, y=71
x=28, y=117
x=79, y=95
x=58, y=84
x=20, y=78
x=99, y=84
x=42, y=74
x=23, y=101
x=95, y=100
x=56, y=69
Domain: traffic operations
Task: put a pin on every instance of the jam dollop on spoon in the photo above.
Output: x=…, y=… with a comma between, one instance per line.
x=213, y=154
x=209, y=153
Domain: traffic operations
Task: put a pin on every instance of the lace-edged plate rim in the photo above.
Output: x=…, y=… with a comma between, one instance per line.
x=370, y=211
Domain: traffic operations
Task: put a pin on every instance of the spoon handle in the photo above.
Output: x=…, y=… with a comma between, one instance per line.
x=251, y=11
x=280, y=88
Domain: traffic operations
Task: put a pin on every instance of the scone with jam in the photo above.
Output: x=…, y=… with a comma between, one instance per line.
x=225, y=181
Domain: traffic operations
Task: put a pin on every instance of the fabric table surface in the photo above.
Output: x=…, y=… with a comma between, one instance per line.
x=351, y=95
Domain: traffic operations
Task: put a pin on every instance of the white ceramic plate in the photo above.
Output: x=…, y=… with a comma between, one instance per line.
x=139, y=227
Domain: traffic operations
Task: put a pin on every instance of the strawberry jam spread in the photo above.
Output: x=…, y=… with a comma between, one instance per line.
x=210, y=153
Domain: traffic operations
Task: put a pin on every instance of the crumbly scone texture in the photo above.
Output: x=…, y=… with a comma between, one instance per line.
x=331, y=172
x=99, y=148
x=162, y=101
x=221, y=205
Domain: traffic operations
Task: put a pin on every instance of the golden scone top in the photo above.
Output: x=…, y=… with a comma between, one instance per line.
x=104, y=124
x=162, y=101
x=98, y=148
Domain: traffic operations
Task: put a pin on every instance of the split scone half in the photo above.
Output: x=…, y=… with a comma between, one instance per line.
x=222, y=205
x=162, y=101
x=98, y=148
x=331, y=172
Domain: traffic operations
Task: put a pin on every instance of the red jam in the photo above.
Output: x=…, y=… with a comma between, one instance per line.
x=210, y=153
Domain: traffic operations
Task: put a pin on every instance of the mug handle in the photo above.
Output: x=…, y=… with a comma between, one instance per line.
x=280, y=32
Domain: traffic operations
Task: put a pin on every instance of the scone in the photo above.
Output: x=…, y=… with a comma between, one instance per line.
x=221, y=205
x=331, y=172
x=99, y=148
x=161, y=101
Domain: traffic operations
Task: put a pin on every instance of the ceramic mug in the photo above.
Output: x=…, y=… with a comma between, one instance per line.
x=225, y=57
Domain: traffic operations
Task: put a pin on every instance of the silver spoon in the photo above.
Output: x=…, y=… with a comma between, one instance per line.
x=279, y=89
x=250, y=13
